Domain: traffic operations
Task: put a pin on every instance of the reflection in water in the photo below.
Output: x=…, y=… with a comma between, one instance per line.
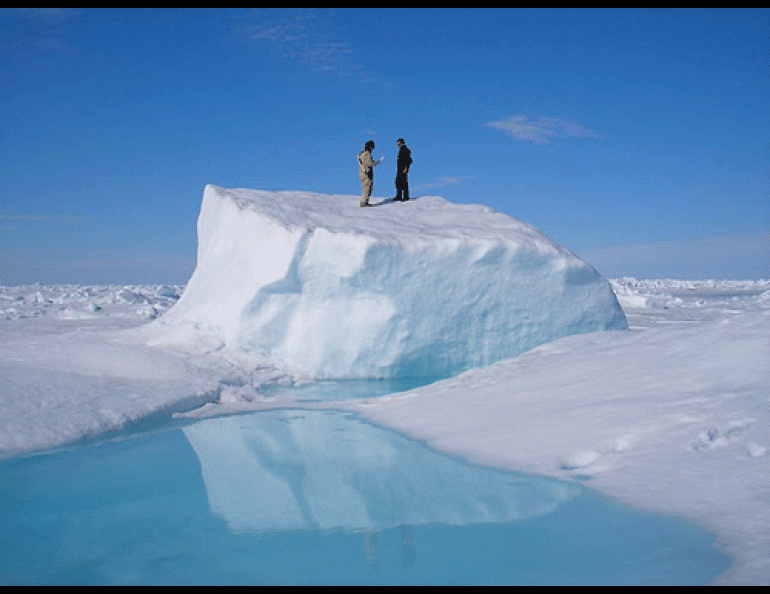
x=299, y=470
x=318, y=498
x=327, y=470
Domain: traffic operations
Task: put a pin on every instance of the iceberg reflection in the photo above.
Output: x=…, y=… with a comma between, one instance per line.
x=288, y=470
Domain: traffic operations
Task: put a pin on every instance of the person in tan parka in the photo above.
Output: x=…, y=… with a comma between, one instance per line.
x=366, y=167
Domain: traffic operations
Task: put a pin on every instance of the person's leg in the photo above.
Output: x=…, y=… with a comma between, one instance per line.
x=366, y=191
x=400, y=187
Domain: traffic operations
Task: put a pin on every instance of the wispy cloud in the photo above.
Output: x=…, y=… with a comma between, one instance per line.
x=38, y=217
x=34, y=218
x=304, y=36
x=442, y=182
x=54, y=15
x=542, y=130
x=40, y=29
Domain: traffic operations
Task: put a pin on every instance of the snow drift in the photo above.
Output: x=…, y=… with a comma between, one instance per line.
x=323, y=289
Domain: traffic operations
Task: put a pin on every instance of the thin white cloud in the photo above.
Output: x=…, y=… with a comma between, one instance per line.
x=51, y=14
x=32, y=218
x=542, y=130
x=304, y=36
x=39, y=29
x=442, y=182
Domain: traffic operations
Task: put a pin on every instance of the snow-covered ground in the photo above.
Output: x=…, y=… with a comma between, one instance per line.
x=671, y=415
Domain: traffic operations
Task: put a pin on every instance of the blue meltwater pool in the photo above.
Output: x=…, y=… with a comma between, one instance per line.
x=318, y=498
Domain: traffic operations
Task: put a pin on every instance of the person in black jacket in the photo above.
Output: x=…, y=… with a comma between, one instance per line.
x=403, y=164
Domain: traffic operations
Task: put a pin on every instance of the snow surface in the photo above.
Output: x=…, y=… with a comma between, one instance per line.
x=324, y=289
x=671, y=415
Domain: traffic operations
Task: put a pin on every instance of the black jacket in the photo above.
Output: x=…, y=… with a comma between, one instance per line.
x=404, y=159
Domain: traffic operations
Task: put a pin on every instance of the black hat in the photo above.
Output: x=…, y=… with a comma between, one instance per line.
x=400, y=141
x=369, y=145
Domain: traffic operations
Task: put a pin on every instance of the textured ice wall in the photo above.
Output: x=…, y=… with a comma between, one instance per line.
x=325, y=289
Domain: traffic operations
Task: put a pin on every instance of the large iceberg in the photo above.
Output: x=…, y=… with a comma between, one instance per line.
x=324, y=289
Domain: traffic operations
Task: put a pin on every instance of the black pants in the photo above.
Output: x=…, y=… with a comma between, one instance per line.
x=402, y=186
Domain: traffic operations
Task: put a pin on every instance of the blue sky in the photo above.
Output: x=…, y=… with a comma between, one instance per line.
x=636, y=138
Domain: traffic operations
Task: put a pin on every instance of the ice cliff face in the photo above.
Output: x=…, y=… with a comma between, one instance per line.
x=324, y=289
